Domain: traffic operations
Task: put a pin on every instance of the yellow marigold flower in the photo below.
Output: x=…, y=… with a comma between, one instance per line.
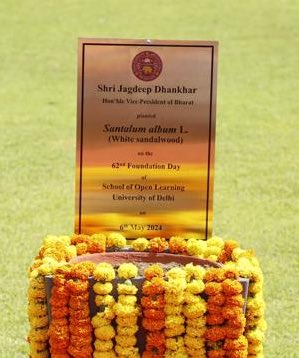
x=171, y=309
x=36, y=293
x=131, y=352
x=255, y=336
x=38, y=346
x=195, y=332
x=36, y=309
x=140, y=244
x=104, y=333
x=127, y=270
x=212, y=251
x=212, y=258
x=196, y=323
x=193, y=342
x=196, y=247
x=175, y=331
x=177, y=286
x=102, y=288
x=116, y=240
x=99, y=240
x=255, y=287
x=39, y=321
x=190, y=298
x=176, y=273
x=194, y=272
x=123, y=310
x=175, y=344
x=71, y=252
x=127, y=331
x=103, y=346
x=106, y=313
x=105, y=300
x=216, y=241
x=107, y=354
x=172, y=321
x=98, y=321
x=126, y=288
x=174, y=298
x=195, y=310
x=128, y=300
x=126, y=341
x=127, y=321
x=104, y=272
x=178, y=354
x=195, y=286
x=39, y=334
x=39, y=354
x=196, y=353
x=152, y=271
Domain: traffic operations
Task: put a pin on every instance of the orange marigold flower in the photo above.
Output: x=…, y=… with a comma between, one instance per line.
x=215, y=274
x=158, y=244
x=233, y=332
x=81, y=352
x=153, y=325
x=217, y=300
x=235, y=344
x=214, y=319
x=213, y=288
x=230, y=312
x=154, y=287
x=80, y=314
x=77, y=287
x=83, y=330
x=213, y=309
x=154, y=314
x=156, y=302
x=155, y=339
x=81, y=270
x=215, y=334
x=231, y=287
x=235, y=300
x=79, y=238
x=237, y=322
x=59, y=313
x=226, y=253
x=177, y=245
x=153, y=271
x=217, y=353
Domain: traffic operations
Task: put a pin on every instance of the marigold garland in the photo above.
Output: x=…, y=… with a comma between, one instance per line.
x=126, y=311
x=79, y=321
x=194, y=310
x=103, y=274
x=154, y=318
x=176, y=320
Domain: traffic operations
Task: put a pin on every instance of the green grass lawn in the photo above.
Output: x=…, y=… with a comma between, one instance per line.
x=256, y=189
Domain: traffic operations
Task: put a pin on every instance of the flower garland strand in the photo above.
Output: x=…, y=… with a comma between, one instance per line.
x=153, y=304
x=79, y=320
x=59, y=335
x=194, y=310
x=102, y=322
x=175, y=320
x=127, y=312
x=38, y=318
